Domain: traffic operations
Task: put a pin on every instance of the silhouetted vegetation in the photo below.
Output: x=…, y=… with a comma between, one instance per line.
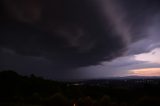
x=17, y=90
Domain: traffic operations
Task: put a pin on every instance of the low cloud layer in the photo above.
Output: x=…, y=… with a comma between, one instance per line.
x=66, y=35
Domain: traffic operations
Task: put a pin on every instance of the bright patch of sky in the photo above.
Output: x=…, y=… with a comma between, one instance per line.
x=152, y=56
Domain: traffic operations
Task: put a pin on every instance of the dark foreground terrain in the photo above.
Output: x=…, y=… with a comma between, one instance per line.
x=17, y=90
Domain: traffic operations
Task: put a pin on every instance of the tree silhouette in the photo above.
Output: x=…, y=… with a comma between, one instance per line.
x=105, y=101
x=57, y=100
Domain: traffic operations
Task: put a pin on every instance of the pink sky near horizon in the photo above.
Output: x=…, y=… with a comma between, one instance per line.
x=146, y=72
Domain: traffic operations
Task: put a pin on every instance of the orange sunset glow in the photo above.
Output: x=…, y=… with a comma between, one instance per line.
x=146, y=72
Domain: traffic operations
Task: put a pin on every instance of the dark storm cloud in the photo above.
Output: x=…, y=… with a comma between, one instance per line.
x=27, y=65
x=71, y=33
x=139, y=15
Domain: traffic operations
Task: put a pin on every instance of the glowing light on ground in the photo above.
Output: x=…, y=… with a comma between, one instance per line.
x=146, y=72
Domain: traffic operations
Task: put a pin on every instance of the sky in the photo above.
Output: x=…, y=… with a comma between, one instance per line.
x=80, y=39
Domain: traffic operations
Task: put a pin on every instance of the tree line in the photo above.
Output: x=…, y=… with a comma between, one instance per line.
x=18, y=90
